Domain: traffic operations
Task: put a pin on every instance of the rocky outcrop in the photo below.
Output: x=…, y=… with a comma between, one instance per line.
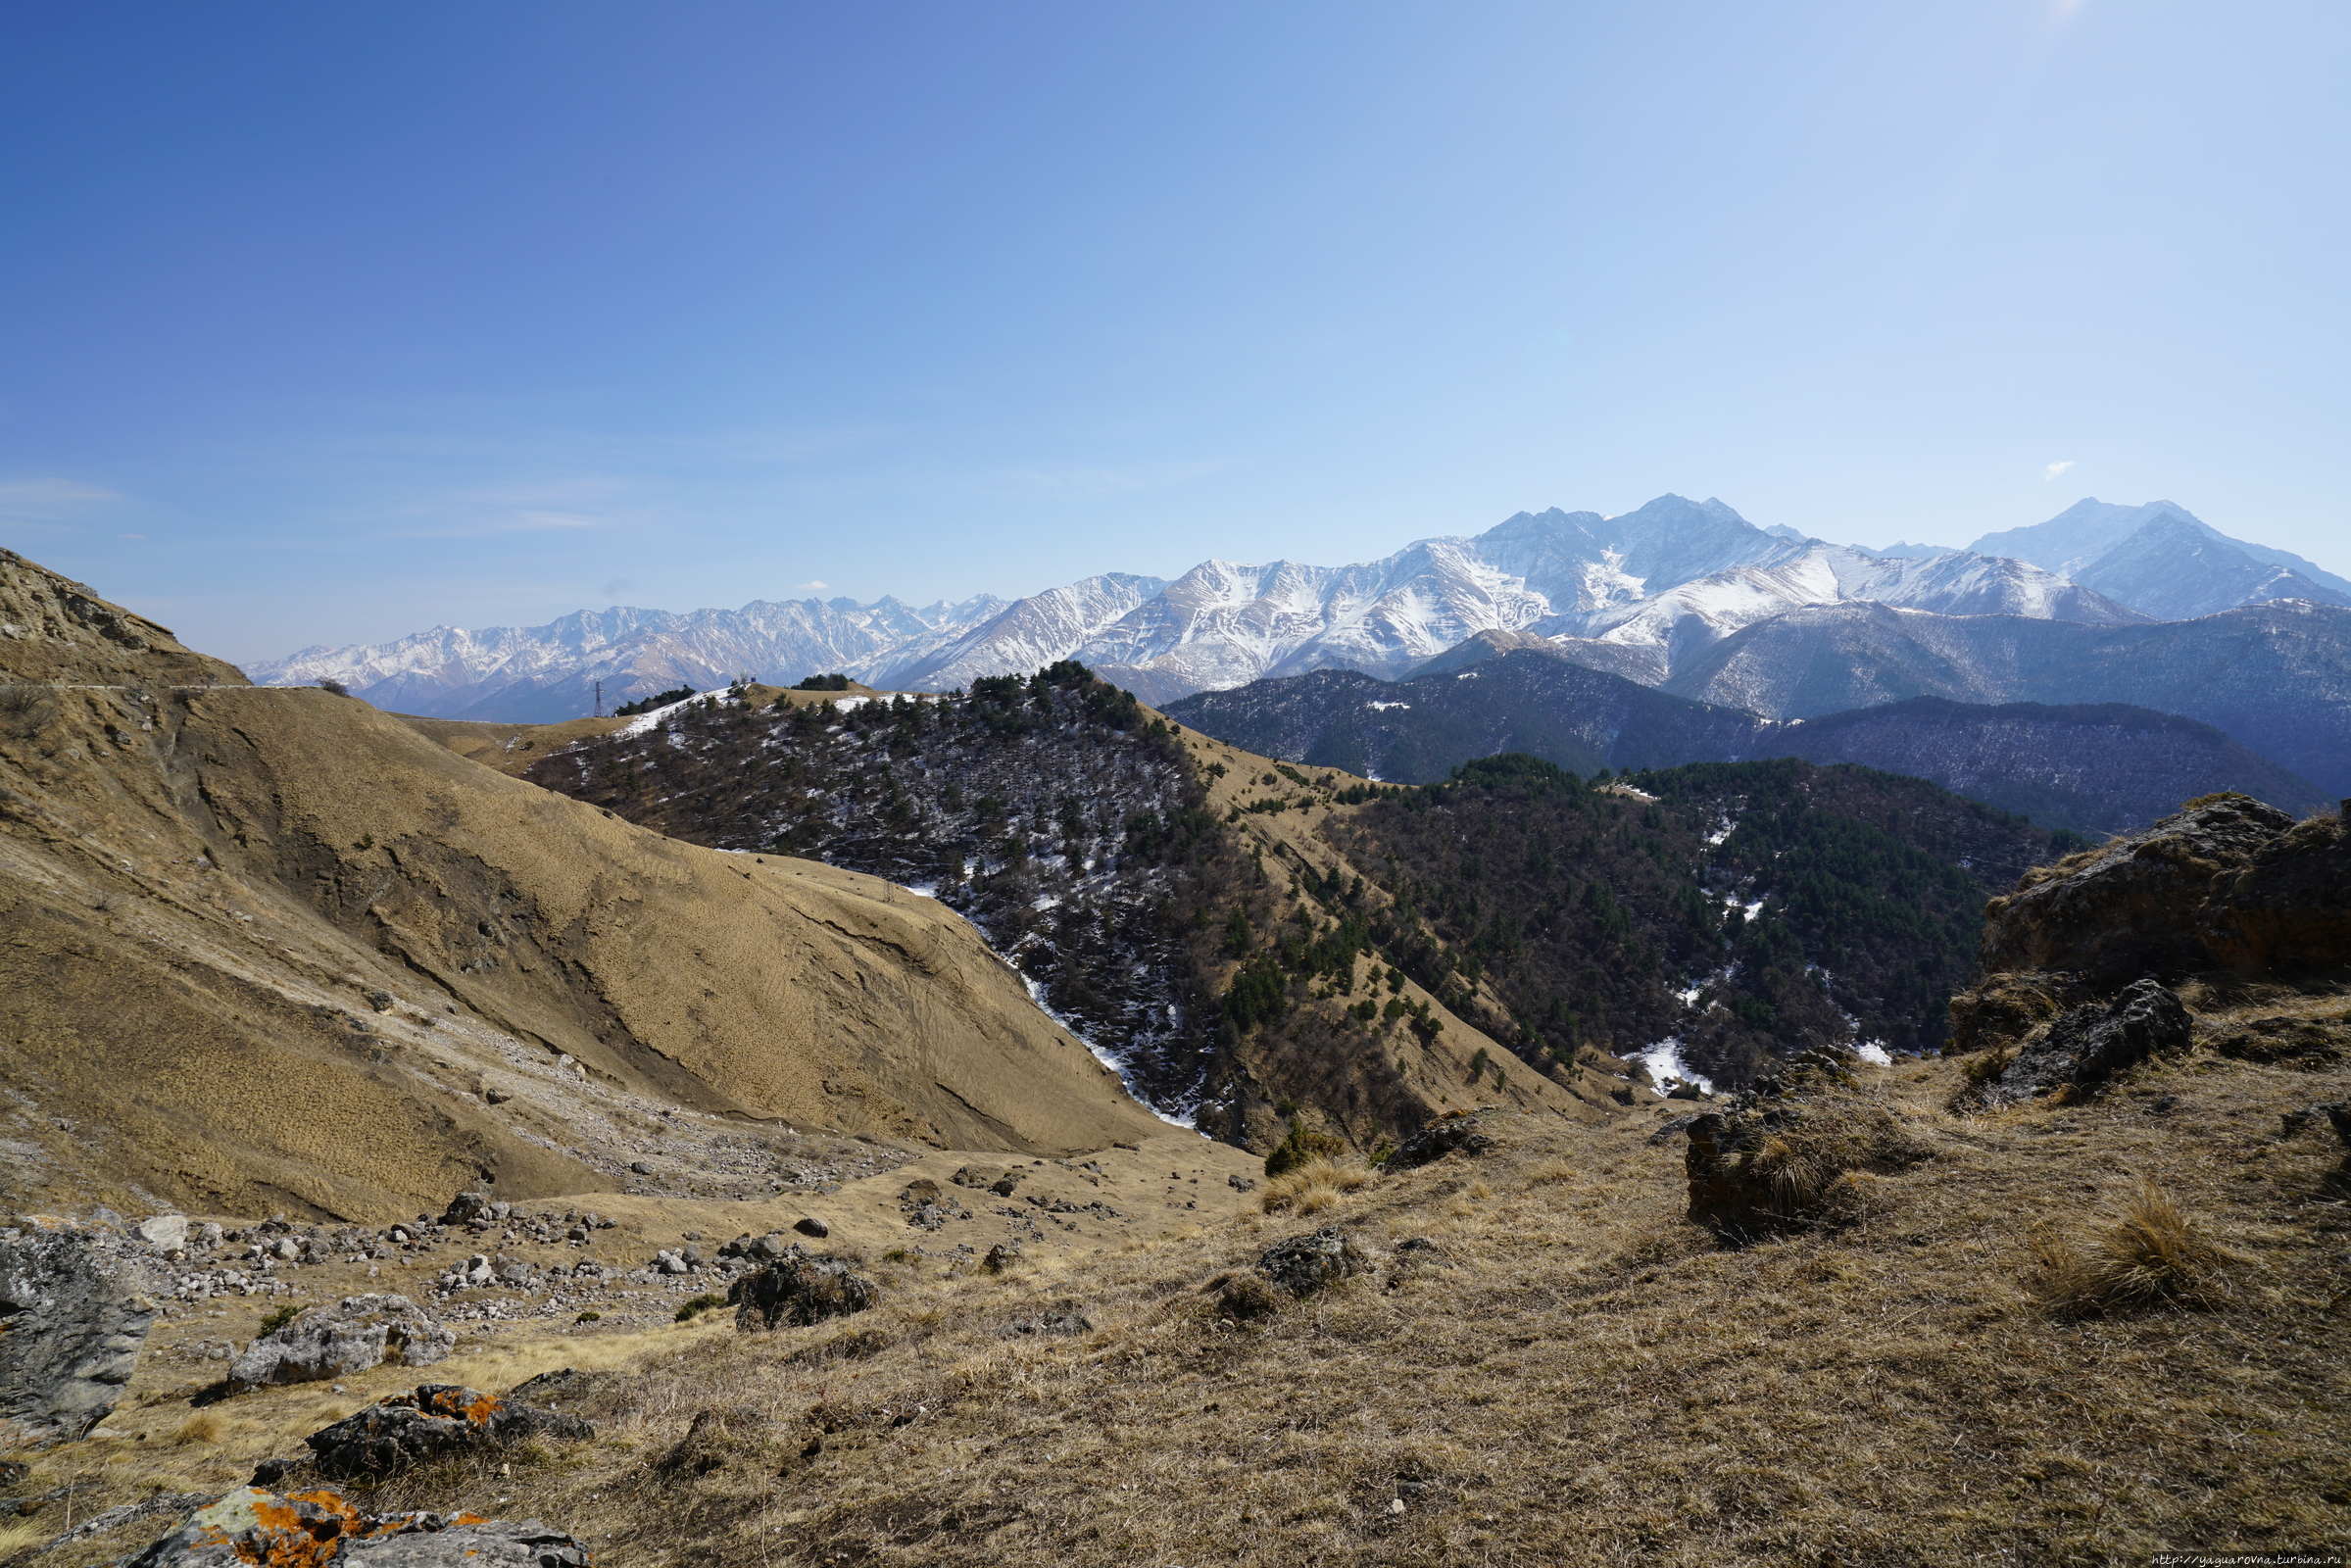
x=1457, y=1132
x=354, y=1334
x=798, y=1289
x=1304, y=1264
x=2136, y=905
x=2290, y=908
x=438, y=1418
x=2091, y=1043
x=1796, y=1151
x=74, y=1311
x=313, y=1529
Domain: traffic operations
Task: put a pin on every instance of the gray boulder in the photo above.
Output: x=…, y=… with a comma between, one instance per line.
x=1304, y=1264
x=2091, y=1043
x=798, y=1289
x=252, y=1526
x=357, y=1333
x=74, y=1311
x=165, y=1233
x=438, y=1418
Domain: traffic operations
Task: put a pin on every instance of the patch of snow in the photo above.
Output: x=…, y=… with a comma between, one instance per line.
x=922, y=890
x=1378, y=707
x=645, y=723
x=1721, y=833
x=1872, y=1050
x=1045, y=901
x=1664, y=1061
x=1186, y=1117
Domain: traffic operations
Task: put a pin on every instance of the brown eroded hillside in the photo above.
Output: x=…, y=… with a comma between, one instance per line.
x=270, y=949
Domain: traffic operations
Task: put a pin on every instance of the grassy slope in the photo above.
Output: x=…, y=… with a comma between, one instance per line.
x=199, y=889
x=1594, y=1380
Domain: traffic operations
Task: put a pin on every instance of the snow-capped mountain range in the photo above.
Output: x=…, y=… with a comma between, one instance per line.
x=1639, y=594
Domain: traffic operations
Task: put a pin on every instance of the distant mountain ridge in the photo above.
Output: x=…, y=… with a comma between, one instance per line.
x=2163, y=561
x=1651, y=588
x=2092, y=767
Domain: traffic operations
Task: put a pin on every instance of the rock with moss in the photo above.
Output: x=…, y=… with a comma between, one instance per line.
x=799, y=1289
x=1304, y=1264
x=1460, y=1132
x=436, y=1419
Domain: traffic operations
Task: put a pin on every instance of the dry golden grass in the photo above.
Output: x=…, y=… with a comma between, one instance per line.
x=202, y=1427
x=2151, y=1255
x=1592, y=1380
x=1312, y=1187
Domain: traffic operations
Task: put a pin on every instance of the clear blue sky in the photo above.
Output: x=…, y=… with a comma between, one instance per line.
x=329, y=323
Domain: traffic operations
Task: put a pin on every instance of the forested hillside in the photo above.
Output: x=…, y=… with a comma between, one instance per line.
x=1733, y=912
x=1741, y=910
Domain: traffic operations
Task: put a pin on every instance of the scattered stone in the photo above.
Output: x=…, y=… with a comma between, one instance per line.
x=921, y=1189
x=2091, y=1043
x=357, y=1333
x=496, y=1097
x=1304, y=1264
x=1000, y=1257
x=74, y=1311
x=380, y=1001
x=974, y=1176
x=255, y=1526
x=1241, y=1184
x=1006, y=1184
x=798, y=1289
x=1459, y=1132
x=438, y=1418
x=640, y=1168
x=810, y=1225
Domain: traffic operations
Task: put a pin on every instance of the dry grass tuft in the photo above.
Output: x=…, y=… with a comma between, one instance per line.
x=1314, y=1187
x=2152, y=1256
x=199, y=1428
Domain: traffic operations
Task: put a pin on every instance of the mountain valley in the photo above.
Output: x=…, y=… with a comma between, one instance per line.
x=1618, y=1159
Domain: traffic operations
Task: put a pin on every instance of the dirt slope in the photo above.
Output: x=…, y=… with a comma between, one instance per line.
x=202, y=884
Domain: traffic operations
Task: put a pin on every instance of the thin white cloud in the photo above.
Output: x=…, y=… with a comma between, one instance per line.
x=2056, y=469
x=808, y=587
x=48, y=497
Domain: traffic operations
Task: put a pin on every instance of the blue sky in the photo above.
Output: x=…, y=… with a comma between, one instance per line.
x=325, y=323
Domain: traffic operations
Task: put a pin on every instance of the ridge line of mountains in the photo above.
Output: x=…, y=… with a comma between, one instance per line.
x=1662, y=594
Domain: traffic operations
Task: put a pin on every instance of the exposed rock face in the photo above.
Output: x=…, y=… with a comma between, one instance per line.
x=2091, y=1043
x=2136, y=907
x=438, y=1418
x=315, y=1528
x=1304, y=1264
x=74, y=1314
x=357, y=1333
x=2291, y=908
x=798, y=1289
x=1461, y=1133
